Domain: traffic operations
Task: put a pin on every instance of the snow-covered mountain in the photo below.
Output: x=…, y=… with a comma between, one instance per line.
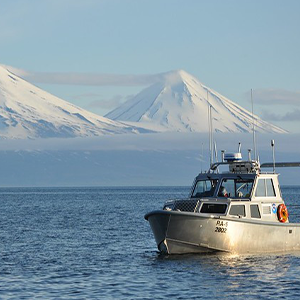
x=179, y=102
x=26, y=111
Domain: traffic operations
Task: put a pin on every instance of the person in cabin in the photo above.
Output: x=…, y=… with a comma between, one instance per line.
x=222, y=192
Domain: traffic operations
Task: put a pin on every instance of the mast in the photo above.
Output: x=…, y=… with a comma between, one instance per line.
x=202, y=159
x=273, y=152
x=212, y=137
x=210, y=130
x=253, y=128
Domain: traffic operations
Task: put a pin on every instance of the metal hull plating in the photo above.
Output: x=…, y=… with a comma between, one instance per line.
x=181, y=232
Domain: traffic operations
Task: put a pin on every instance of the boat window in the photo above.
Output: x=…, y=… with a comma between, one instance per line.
x=237, y=210
x=254, y=209
x=260, y=188
x=270, y=188
x=205, y=188
x=265, y=188
x=212, y=208
x=236, y=188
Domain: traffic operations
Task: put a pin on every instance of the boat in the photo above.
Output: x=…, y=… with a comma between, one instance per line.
x=239, y=210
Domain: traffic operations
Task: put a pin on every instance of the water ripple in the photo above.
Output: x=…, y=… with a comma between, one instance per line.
x=93, y=243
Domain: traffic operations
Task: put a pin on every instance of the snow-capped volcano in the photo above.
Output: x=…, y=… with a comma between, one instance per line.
x=29, y=112
x=179, y=102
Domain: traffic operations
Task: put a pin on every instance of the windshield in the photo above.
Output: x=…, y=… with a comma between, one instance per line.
x=205, y=188
x=236, y=188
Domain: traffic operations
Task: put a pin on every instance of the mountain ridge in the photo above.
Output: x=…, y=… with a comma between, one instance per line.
x=179, y=102
x=27, y=111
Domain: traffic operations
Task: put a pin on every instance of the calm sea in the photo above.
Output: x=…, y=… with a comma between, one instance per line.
x=93, y=243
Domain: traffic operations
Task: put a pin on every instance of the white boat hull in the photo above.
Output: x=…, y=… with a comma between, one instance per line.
x=183, y=232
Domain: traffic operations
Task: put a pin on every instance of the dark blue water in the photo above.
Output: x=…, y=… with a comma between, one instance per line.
x=91, y=243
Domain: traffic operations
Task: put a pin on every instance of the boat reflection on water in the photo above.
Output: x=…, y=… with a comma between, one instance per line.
x=237, y=274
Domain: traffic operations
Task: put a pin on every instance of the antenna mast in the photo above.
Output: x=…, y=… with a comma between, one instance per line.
x=273, y=152
x=216, y=155
x=212, y=137
x=210, y=129
x=253, y=128
x=202, y=158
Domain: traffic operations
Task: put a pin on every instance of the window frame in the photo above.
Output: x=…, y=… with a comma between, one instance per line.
x=272, y=185
x=235, y=205
x=235, y=182
x=258, y=210
x=193, y=195
x=264, y=180
x=214, y=204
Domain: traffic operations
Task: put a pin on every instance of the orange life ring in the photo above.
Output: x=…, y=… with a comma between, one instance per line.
x=282, y=213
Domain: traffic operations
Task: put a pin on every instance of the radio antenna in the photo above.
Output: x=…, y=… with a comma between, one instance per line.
x=209, y=136
x=273, y=152
x=210, y=129
x=202, y=158
x=253, y=128
x=212, y=137
x=216, y=155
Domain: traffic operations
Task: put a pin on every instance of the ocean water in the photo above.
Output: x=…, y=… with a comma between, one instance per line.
x=93, y=243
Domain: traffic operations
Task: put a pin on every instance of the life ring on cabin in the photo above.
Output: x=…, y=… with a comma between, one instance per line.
x=282, y=213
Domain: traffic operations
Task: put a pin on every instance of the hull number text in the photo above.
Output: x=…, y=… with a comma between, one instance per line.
x=221, y=226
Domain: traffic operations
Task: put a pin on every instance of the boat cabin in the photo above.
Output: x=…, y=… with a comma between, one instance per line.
x=242, y=192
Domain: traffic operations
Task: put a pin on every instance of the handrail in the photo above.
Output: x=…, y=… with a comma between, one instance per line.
x=280, y=164
x=254, y=164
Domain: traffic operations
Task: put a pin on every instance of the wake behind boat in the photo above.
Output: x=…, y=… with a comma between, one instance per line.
x=240, y=210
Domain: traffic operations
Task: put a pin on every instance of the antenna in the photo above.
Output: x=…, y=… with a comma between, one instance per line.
x=212, y=137
x=223, y=155
x=273, y=150
x=249, y=154
x=216, y=155
x=210, y=131
x=253, y=128
x=239, y=148
x=209, y=135
x=202, y=158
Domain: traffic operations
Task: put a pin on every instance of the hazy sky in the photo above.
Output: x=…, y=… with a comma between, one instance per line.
x=231, y=46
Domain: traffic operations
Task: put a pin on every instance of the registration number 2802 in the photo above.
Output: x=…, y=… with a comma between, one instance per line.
x=221, y=226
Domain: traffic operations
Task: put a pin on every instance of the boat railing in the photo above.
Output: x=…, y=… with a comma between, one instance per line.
x=238, y=167
x=186, y=205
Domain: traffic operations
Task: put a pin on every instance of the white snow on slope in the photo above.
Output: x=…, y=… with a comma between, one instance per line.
x=180, y=103
x=26, y=111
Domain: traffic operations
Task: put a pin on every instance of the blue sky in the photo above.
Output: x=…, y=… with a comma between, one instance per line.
x=231, y=46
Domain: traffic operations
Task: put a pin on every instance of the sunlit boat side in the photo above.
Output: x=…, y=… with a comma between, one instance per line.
x=238, y=211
